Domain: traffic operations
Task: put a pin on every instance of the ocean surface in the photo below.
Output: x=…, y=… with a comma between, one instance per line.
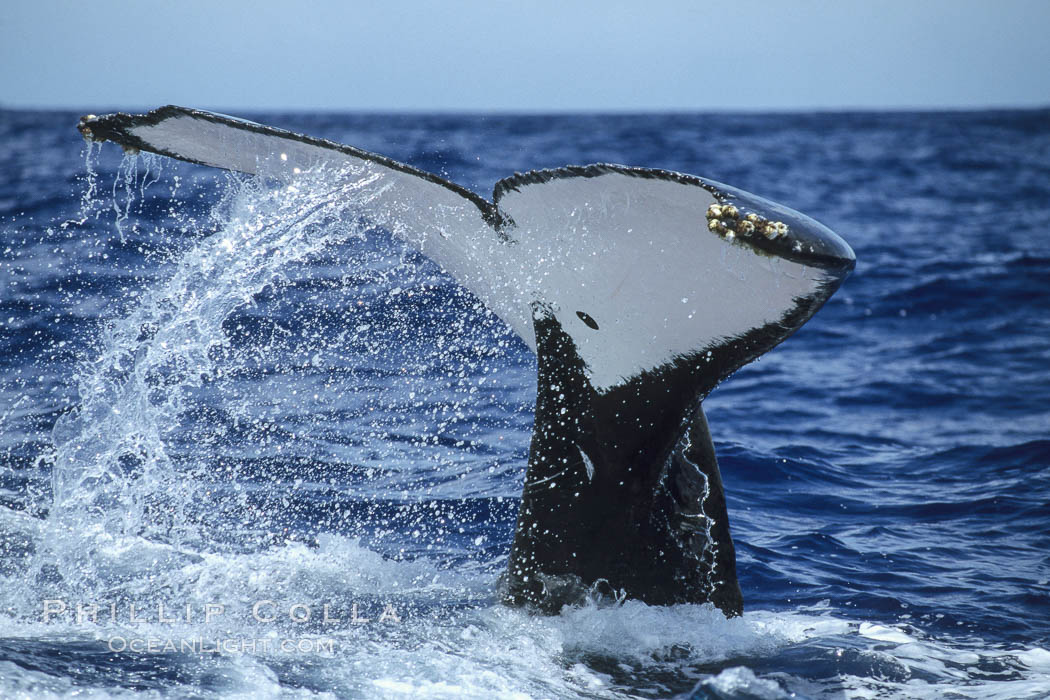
x=251, y=446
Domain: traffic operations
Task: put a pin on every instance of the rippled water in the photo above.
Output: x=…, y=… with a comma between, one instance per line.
x=215, y=394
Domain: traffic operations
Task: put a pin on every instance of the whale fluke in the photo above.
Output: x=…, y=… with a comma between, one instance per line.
x=639, y=290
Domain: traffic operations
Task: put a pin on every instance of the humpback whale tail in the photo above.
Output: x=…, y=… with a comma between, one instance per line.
x=638, y=289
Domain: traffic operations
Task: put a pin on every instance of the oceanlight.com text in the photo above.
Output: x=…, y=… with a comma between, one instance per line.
x=226, y=645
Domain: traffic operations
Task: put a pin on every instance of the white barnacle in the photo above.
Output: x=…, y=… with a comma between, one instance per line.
x=714, y=212
x=770, y=230
x=745, y=227
x=714, y=225
x=782, y=228
x=730, y=212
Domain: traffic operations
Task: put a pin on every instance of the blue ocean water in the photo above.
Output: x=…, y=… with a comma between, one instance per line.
x=218, y=395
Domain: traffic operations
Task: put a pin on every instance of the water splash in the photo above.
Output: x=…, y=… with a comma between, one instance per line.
x=112, y=461
x=192, y=380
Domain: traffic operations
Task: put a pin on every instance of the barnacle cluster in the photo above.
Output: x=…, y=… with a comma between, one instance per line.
x=725, y=220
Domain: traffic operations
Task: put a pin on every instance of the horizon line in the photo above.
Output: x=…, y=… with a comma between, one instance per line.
x=498, y=112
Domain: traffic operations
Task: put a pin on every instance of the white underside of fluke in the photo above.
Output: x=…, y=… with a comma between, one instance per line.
x=633, y=255
x=636, y=257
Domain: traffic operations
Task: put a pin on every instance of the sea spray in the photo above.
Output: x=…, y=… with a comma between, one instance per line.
x=176, y=396
x=112, y=464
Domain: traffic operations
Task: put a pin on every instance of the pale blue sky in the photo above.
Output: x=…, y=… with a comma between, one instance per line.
x=525, y=56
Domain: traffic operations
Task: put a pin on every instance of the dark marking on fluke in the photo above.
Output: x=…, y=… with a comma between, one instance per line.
x=586, y=318
x=623, y=495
